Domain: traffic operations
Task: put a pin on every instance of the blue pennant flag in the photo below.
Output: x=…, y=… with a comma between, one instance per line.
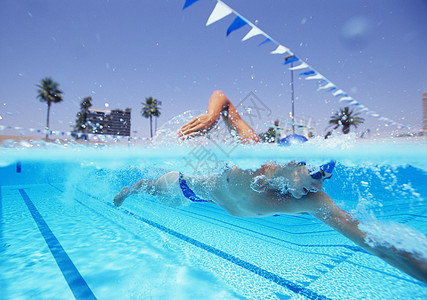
x=311, y=72
x=237, y=24
x=267, y=40
x=291, y=59
x=188, y=3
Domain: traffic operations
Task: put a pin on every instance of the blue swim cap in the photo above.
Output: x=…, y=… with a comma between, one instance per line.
x=292, y=139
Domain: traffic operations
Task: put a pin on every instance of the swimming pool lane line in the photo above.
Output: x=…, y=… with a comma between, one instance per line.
x=294, y=287
x=329, y=266
x=306, y=283
x=218, y=211
x=348, y=247
x=75, y=281
x=333, y=261
x=227, y=225
x=189, y=214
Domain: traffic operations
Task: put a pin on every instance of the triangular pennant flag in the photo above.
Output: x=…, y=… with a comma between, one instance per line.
x=317, y=76
x=253, y=32
x=188, y=3
x=290, y=59
x=303, y=65
x=237, y=24
x=280, y=50
x=306, y=73
x=220, y=11
x=345, y=99
x=339, y=93
x=326, y=86
x=267, y=40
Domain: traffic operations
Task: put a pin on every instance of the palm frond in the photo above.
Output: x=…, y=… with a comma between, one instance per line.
x=346, y=118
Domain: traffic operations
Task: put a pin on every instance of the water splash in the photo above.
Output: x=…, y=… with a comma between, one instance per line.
x=395, y=235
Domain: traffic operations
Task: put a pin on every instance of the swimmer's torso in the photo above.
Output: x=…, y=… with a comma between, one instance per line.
x=233, y=193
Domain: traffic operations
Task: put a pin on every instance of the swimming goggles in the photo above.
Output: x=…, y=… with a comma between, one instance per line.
x=322, y=172
x=325, y=171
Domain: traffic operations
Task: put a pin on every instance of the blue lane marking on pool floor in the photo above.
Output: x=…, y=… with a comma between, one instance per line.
x=228, y=225
x=74, y=279
x=294, y=287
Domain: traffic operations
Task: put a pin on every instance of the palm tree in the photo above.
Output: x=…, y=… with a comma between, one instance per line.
x=82, y=118
x=150, y=109
x=50, y=93
x=345, y=118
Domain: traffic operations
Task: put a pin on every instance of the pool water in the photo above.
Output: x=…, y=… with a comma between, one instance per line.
x=62, y=238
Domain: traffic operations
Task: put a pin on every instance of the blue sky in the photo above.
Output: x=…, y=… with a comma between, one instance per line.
x=120, y=52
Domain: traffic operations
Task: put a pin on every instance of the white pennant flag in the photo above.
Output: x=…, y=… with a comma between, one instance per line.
x=280, y=50
x=326, y=86
x=317, y=76
x=338, y=92
x=303, y=65
x=253, y=32
x=345, y=99
x=220, y=11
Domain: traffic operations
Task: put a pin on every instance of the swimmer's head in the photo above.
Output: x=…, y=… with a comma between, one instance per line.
x=324, y=172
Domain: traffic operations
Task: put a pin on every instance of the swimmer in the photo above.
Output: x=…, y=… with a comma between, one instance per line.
x=273, y=189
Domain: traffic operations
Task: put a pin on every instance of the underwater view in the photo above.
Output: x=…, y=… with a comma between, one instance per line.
x=213, y=149
x=60, y=225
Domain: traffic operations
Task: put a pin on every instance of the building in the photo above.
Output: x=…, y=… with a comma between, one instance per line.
x=111, y=122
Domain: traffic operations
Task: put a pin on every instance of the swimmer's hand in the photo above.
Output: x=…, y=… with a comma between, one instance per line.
x=198, y=126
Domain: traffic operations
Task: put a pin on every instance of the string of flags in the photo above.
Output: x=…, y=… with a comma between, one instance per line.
x=222, y=10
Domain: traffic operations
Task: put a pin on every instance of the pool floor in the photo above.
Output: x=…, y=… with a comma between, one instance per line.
x=59, y=241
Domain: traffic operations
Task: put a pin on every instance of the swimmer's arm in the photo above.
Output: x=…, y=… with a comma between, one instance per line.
x=323, y=208
x=219, y=105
